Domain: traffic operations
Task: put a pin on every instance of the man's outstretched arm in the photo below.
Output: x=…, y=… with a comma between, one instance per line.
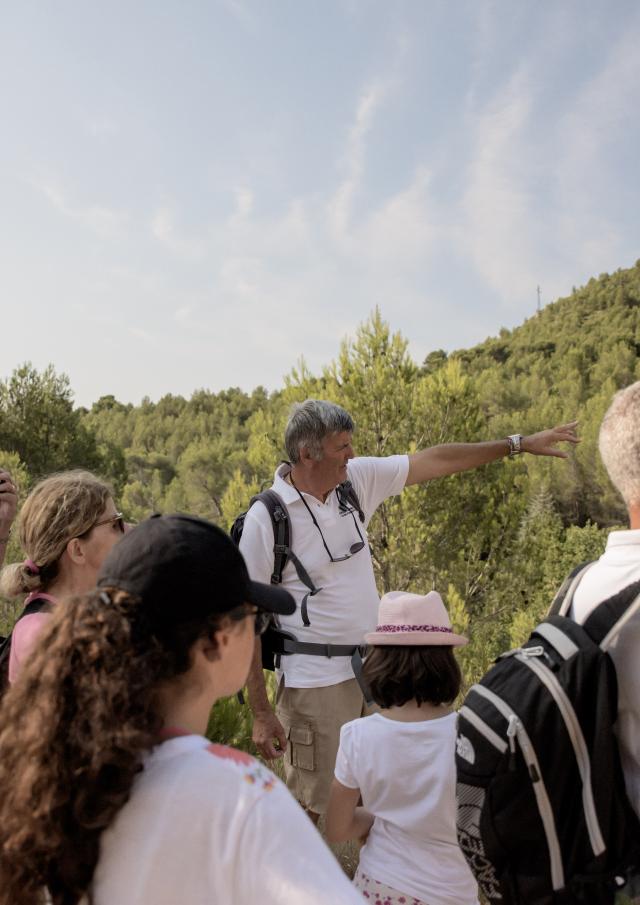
x=450, y=458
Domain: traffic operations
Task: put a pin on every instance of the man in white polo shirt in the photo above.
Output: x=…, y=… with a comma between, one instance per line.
x=317, y=694
x=619, y=566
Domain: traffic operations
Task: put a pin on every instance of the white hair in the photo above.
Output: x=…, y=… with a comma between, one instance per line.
x=310, y=422
x=620, y=443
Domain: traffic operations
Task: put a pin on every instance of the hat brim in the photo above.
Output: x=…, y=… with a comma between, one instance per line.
x=270, y=598
x=417, y=639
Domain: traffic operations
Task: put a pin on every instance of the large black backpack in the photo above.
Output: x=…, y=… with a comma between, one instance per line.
x=276, y=642
x=37, y=605
x=543, y=815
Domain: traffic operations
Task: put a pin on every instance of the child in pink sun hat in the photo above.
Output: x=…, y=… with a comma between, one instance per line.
x=395, y=771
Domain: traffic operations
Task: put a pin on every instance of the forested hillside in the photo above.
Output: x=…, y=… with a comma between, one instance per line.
x=495, y=542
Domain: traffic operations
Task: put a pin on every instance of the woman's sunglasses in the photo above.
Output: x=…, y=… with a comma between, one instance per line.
x=117, y=520
x=262, y=618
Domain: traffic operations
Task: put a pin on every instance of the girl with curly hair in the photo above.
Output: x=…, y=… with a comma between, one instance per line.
x=111, y=795
x=67, y=525
x=395, y=770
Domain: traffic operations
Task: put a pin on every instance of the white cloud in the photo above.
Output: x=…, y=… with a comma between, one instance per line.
x=183, y=313
x=241, y=11
x=496, y=205
x=104, y=221
x=597, y=125
x=144, y=335
x=340, y=205
x=244, y=202
x=163, y=229
x=102, y=127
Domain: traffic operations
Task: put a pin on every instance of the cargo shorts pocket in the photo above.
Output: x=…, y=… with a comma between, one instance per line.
x=300, y=751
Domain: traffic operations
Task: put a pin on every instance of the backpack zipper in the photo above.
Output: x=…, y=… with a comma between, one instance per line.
x=550, y=681
x=517, y=730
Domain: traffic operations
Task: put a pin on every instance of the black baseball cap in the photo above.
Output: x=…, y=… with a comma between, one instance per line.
x=183, y=567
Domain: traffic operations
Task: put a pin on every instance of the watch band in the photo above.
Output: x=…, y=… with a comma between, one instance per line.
x=515, y=445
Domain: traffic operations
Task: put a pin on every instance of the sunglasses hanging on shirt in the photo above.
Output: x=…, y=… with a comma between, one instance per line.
x=353, y=549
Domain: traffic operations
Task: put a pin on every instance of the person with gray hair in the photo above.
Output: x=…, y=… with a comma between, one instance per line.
x=618, y=567
x=338, y=604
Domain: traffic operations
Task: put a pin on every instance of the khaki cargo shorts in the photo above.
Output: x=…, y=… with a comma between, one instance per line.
x=312, y=718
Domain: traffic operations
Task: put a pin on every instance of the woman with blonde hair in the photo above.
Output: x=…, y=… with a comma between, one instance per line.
x=67, y=525
x=111, y=794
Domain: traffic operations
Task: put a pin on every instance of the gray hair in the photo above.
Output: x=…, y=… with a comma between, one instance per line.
x=620, y=443
x=310, y=422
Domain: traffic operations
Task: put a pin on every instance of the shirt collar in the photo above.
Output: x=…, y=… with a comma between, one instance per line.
x=623, y=538
x=285, y=491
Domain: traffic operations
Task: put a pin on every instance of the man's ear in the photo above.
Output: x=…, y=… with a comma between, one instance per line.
x=75, y=551
x=305, y=455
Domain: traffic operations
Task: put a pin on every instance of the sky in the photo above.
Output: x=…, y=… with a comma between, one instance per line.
x=200, y=194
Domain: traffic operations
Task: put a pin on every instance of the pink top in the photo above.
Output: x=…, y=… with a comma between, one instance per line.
x=25, y=633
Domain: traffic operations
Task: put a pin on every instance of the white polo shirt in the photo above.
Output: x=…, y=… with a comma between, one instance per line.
x=619, y=566
x=347, y=606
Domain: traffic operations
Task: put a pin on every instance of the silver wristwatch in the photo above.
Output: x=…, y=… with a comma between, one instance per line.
x=515, y=445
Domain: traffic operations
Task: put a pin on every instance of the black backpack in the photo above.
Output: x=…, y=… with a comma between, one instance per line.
x=276, y=642
x=37, y=605
x=543, y=815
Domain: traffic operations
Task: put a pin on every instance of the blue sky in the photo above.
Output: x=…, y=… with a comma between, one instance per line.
x=196, y=194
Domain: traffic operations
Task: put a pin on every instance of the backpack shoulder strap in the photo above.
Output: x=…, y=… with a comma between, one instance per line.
x=281, y=530
x=37, y=605
x=605, y=622
x=282, y=542
x=561, y=603
x=347, y=496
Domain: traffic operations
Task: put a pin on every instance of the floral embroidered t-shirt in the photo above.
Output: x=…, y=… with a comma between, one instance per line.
x=210, y=825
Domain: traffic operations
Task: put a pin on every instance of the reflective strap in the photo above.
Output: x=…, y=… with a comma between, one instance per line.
x=574, y=731
x=539, y=788
x=608, y=640
x=480, y=725
x=568, y=597
x=557, y=639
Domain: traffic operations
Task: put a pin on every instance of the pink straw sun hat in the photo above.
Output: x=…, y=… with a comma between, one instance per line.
x=405, y=619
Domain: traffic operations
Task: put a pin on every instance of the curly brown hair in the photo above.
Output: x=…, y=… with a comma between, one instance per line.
x=73, y=732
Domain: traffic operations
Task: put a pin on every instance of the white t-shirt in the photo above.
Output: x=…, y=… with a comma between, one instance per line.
x=406, y=775
x=347, y=606
x=207, y=824
x=619, y=566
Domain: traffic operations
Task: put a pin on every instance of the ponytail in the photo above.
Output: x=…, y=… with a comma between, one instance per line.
x=73, y=733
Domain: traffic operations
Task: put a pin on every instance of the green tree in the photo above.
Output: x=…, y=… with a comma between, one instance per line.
x=39, y=423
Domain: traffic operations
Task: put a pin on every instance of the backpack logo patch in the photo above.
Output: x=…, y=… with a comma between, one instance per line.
x=465, y=749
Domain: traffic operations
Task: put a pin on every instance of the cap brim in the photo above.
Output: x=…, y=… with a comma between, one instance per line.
x=270, y=598
x=418, y=639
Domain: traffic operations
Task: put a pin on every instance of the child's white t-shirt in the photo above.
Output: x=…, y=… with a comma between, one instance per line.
x=208, y=824
x=406, y=776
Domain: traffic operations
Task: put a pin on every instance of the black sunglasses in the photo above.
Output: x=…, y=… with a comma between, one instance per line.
x=262, y=618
